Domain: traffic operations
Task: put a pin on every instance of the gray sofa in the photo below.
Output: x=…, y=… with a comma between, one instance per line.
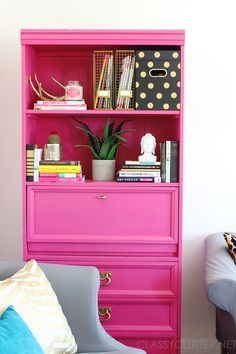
x=77, y=291
x=220, y=280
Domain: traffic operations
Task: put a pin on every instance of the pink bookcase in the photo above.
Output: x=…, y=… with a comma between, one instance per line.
x=133, y=235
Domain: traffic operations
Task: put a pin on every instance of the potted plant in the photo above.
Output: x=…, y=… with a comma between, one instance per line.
x=104, y=149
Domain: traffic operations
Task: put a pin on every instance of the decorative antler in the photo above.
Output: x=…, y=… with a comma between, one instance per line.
x=41, y=91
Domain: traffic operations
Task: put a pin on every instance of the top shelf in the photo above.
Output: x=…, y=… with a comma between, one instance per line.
x=102, y=112
x=39, y=37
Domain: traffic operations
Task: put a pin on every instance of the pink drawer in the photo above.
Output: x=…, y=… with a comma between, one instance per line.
x=156, y=279
x=71, y=214
x=151, y=278
x=136, y=314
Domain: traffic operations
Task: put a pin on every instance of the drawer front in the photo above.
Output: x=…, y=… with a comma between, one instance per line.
x=138, y=314
x=155, y=279
x=118, y=277
x=72, y=214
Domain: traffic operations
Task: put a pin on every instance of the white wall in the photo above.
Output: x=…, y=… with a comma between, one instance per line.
x=210, y=122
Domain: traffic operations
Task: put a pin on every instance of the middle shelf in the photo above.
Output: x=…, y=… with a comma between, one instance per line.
x=104, y=113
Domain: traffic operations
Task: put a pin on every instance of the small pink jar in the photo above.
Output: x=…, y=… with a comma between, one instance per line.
x=74, y=91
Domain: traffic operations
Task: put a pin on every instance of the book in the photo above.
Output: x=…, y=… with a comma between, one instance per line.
x=37, y=157
x=163, y=162
x=59, y=168
x=61, y=103
x=170, y=161
x=157, y=169
x=60, y=162
x=30, y=161
x=130, y=162
x=141, y=167
x=60, y=107
x=61, y=175
x=168, y=156
x=138, y=179
x=60, y=179
x=174, y=162
x=139, y=174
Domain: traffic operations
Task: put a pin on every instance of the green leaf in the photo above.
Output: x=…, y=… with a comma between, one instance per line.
x=105, y=148
x=106, y=130
x=94, y=141
x=112, y=153
x=117, y=136
x=110, y=129
x=85, y=126
x=118, y=128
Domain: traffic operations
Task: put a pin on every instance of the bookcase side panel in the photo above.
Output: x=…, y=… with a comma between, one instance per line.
x=181, y=160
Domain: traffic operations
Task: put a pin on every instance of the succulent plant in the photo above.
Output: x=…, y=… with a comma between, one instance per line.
x=54, y=138
x=106, y=147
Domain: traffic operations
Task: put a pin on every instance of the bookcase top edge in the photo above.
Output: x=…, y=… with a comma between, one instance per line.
x=64, y=36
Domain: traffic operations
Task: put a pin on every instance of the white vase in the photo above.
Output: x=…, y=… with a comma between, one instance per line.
x=103, y=170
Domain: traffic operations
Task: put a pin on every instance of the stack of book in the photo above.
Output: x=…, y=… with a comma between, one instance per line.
x=33, y=157
x=170, y=161
x=60, y=171
x=60, y=105
x=135, y=171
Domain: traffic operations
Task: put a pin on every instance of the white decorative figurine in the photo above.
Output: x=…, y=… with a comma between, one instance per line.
x=148, y=146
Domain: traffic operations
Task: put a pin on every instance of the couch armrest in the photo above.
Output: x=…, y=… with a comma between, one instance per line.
x=220, y=274
x=77, y=290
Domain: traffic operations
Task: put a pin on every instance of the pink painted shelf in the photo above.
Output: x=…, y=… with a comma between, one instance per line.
x=115, y=184
x=151, y=113
x=132, y=232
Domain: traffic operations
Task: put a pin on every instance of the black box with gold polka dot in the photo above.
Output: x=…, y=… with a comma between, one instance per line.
x=157, y=76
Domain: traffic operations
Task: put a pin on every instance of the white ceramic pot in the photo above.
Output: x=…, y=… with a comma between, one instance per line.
x=103, y=170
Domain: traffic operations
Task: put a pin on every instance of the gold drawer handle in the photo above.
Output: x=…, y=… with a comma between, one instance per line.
x=102, y=197
x=105, y=313
x=105, y=276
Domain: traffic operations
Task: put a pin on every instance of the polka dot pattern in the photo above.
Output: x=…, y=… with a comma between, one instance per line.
x=158, y=92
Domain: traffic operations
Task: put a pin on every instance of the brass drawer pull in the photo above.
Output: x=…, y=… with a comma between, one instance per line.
x=105, y=278
x=104, y=312
x=102, y=197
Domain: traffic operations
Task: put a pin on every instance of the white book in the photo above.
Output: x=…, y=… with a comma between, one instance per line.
x=139, y=174
x=61, y=103
x=61, y=107
x=168, y=157
x=37, y=157
x=133, y=162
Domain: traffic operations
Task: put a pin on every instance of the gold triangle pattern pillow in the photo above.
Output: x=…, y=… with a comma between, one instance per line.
x=32, y=296
x=231, y=242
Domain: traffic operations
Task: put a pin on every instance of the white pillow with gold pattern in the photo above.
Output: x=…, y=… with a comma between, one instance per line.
x=32, y=296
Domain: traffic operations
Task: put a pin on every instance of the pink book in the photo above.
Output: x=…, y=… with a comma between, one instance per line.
x=61, y=179
x=59, y=103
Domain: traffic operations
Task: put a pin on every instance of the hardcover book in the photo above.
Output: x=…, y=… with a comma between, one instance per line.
x=130, y=162
x=30, y=162
x=59, y=168
x=60, y=162
x=138, y=179
x=37, y=158
x=170, y=161
x=141, y=167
